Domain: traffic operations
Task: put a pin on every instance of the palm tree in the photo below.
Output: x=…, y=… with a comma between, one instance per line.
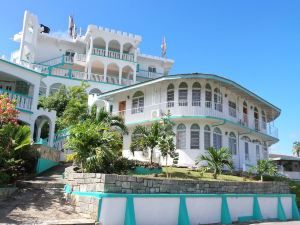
x=146, y=138
x=265, y=167
x=216, y=159
x=296, y=148
x=116, y=122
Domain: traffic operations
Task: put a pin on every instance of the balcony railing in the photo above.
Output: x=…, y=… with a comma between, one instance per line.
x=99, y=51
x=23, y=101
x=150, y=75
x=113, y=54
x=185, y=108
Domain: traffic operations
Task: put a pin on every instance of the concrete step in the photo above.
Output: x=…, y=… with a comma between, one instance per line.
x=70, y=222
x=39, y=184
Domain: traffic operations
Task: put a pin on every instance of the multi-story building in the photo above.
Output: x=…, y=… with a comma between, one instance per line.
x=208, y=110
x=104, y=58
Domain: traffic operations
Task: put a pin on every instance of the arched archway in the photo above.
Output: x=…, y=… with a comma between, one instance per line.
x=54, y=88
x=43, y=89
x=127, y=75
x=97, y=71
x=128, y=52
x=95, y=91
x=113, y=73
x=114, y=48
x=99, y=46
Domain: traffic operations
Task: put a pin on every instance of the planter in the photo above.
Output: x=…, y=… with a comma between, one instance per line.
x=146, y=171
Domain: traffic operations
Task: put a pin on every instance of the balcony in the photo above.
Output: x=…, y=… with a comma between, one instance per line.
x=196, y=108
x=24, y=102
x=149, y=75
x=113, y=54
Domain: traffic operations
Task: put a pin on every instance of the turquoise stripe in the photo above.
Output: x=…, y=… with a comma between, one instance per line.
x=256, y=210
x=280, y=211
x=129, y=212
x=183, y=216
x=225, y=214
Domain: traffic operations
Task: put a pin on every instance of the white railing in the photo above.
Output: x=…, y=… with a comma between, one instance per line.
x=99, y=51
x=185, y=108
x=60, y=72
x=126, y=81
x=79, y=75
x=147, y=74
x=60, y=139
x=23, y=101
x=36, y=67
x=112, y=79
x=128, y=57
x=245, y=119
x=97, y=77
x=80, y=57
x=52, y=62
x=232, y=112
x=68, y=59
x=113, y=54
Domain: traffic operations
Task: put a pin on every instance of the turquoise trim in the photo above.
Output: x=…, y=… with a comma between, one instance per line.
x=24, y=110
x=129, y=212
x=22, y=67
x=183, y=216
x=225, y=214
x=99, y=209
x=146, y=171
x=197, y=75
x=207, y=117
x=256, y=210
x=15, y=93
x=295, y=211
x=280, y=211
x=44, y=164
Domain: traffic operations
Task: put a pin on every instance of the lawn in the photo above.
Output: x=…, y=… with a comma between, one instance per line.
x=183, y=173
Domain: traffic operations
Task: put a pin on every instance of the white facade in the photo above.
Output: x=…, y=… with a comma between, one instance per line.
x=104, y=58
x=208, y=111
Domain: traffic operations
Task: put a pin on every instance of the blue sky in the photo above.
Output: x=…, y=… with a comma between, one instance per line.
x=255, y=43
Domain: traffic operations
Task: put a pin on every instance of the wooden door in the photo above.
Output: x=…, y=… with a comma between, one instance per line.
x=122, y=108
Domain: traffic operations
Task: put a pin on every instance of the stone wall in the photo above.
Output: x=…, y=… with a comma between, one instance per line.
x=87, y=206
x=47, y=152
x=111, y=183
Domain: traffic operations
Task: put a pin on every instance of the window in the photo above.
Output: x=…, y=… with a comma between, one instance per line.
x=43, y=89
x=138, y=102
x=247, y=151
x=265, y=152
x=207, y=143
x=264, y=120
x=183, y=94
x=195, y=136
x=256, y=119
x=196, y=94
x=257, y=152
x=208, y=96
x=245, y=114
x=217, y=138
x=69, y=56
x=218, y=100
x=232, y=144
x=232, y=108
x=170, y=96
x=152, y=69
x=181, y=137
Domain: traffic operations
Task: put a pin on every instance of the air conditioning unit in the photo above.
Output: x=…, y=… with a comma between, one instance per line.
x=155, y=114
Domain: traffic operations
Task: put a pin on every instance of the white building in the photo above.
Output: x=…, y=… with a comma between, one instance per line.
x=105, y=58
x=208, y=110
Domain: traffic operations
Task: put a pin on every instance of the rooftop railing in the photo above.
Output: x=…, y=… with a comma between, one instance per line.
x=148, y=74
x=23, y=101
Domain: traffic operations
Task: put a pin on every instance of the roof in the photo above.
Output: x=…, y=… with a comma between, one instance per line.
x=278, y=157
x=223, y=80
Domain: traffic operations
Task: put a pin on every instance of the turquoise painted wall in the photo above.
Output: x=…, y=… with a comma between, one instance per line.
x=44, y=164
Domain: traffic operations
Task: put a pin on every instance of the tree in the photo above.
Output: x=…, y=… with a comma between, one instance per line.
x=296, y=148
x=216, y=160
x=146, y=138
x=265, y=167
x=166, y=143
x=95, y=146
x=8, y=112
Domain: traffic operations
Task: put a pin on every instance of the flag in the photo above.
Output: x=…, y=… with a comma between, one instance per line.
x=164, y=47
x=71, y=26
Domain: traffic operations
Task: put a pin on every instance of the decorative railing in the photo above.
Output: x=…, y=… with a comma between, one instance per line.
x=43, y=141
x=186, y=108
x=150, y=75
x=97, y=77
x=53, y=62
x=99, y=51
x=112, y=79
x=79, y=75
x=80, y=57
x=60, y=72
x=23, y=101
x=113, y=54
x=128, y=57
x=60, y=139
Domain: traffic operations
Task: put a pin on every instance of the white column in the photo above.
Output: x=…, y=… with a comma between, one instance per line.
x=89, y=70
x=51, y=132
x=134, y=75
x=121, y=51
x=35, y=96
x=106, y=48
x=105, y=72
x=120, y=75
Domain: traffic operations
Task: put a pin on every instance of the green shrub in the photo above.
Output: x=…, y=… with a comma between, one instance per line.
x=4, y=178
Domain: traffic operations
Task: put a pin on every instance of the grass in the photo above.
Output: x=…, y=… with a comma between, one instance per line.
x=183, y=173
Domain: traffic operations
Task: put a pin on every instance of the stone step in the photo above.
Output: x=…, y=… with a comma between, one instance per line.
x=70, y=222
x=39, y=184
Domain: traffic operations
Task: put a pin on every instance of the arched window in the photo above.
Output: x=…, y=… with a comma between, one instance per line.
x=246, y=140
x=218, y=100
x=264, y=120
x=217, y=138
x=138, y=102
x=195, y=136
x=196, y=94
x=207, y=133
x=232, y=143
x=170, y=96
x=208, y=96
x=181, y=136
x=43, y=89
x=54, y=88
x=183, y=94
x=245, y=114
x=256, y=119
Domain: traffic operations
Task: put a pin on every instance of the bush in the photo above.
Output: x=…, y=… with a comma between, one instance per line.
x=137, y=163
x=4, y=178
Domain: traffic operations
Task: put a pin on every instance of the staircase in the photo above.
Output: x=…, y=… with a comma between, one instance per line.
x=41, y=201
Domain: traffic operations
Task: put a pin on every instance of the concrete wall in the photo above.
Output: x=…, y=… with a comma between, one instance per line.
x=110, y=183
